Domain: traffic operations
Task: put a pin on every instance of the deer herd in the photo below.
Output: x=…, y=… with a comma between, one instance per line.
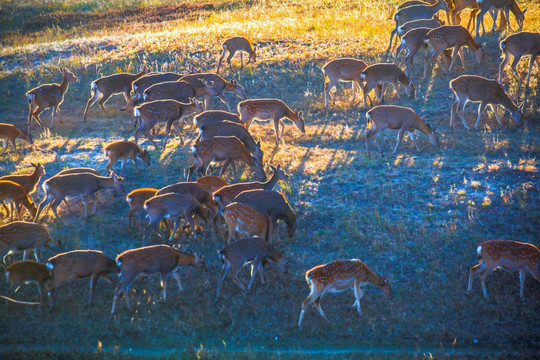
x=248, y=211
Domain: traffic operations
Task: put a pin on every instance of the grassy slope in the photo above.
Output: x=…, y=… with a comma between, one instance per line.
x=415, y=218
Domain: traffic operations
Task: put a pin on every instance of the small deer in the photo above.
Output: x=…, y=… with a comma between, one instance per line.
x=13, y=193
x=125, y=150
x=211, y=183
x=234, y=44
x=227, y=149
x=506, y=6
x=207, y=85
x=270, y=109
x=227, y=128
x=377, y=77
x=252, y=250
x=343, y=69
x=167, y=111
x=340, y=275
x=149, y=260
x=46, y=96
x=24, y=236
x=451, y=36
x=170, y=90
x=485, y=91
x=215, y=116
x=80, y=264
x=140, y=85
x=136, y=200
x=397, y=118
x=26, y=271
x=517, y=45
x=8, y=133
x=103, y=88
x=247, y=219
x=509, y=255
x=84, y=185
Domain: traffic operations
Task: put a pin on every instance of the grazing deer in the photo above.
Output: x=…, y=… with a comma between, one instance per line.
x=227, y=149
x=397, y=118
x=377, y=77
x=167, y=111
x=343, y=69
x=140, y=85
x=27, y=181
x=215, y=116
x=125, y=150
x=13, y=193
x=415, y=12
x=24, y=236
x=172, y=206
x=170, y=90
x=485, y=91
x=340, y=275
x=254, y=250
x=413, y=25
x=103, y=88
x=273, y=203
x=149, y=260
x=78, y=170
x=460, y=5
x=207, y=85
x=412, y=42
x=247, y=219
x=506, y=6
x=270, y=109
x=46, y=96
x=194, y=189
x=211, y=183
x=234, y=44
x=26, y=271
x=227, y=128
x=517, y=45
x=509, y=255
x=136, y=200
x=8, y=133
x=84, y=185
x=80, y=264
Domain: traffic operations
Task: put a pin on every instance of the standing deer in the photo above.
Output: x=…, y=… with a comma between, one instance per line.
x=252, y=250
x=27, y=181
x=517, y=45
x=46, y=96
x=248, y=220
x=509, y=255
x=211, y=183
x=136, y=200
x=413, y=25
x=8, y=133
x=149, y=260
x=413, y=41
x=340, y=275
x=343, y=69
x=234, y=44
x=194, y=189
x=103, y=88
x=13, y=193
x=397, y=118
x=506, y=6
x=26, y=271
x=215, y=116
x=227, y=128
x=270, y=109
x=377, y=77
x=80, y=264
x=140, y=85
x=24, y=236
x=207, y=85
x=125, y=150
x=173, y=90
x=485, y=91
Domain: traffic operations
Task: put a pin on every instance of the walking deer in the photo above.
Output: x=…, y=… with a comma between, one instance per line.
x=509, y=255
x=28, y=271
x=377, y=77
x=150, y=260
x=240, y=44
x=517, y=45
x=24, y=236
x=124, y=151
x=14, y=194
x=248, y=220
x=8, y=133
x=343, y=69
x=340, y=275
x=46, y=96
x=485, y=91
x=504, y=5
x=215, y=116
x=136, y=200
x=207, y=85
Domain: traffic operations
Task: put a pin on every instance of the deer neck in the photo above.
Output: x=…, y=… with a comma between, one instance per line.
x=269, y=185
x=471, y=43
x=422, y=127
x=507, y=103
x=64, y=85
x=373, y=278
x=104, y=182
x=514, y=8
x=185, y=259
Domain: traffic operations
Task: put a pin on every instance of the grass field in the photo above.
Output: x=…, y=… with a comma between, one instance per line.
x=415, y=218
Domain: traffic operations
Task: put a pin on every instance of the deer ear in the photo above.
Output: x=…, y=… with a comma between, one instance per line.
x=524, y=11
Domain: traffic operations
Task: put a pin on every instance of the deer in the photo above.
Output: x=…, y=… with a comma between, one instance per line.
x=140, y=85
x=342, y=69
x=27, y=271
x=508, y=255
x=124, y=151
x=8, y=133
x=46, y=96
x=415, y=2
x=149, y=260
x=27, y=181
x=208, y=84
x=13, y=193
x=237, y=44
x=194, y=189
x=415, y=12
x=175, y=90
x=517, y=45
x=167, y=111
x=215, y=116
x=451, y=36
x=254, y=250
x=485, y=91
x=136, y=200
x=270, y=109
x=340, y=275
x=24, y=236
x=274, y=204
x=413, y=25
x=377, y=76
x=211, y=183
x=397, y=118
x=84, y=185
x=103, y=88
x=460, y=5
x=78, y=170
x=172, y=206
x=227, y=128
x=248, y=220
x=224, y=148
x=80, y=264
x=506, y=6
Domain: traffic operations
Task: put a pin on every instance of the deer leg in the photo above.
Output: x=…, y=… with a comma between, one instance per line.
x=358, y=293
x=276, y=129
x=175, y=228
x=237, y=281
x=494, y=109
x=472, y=272
x=163, y=276
x=399, y=137
x=480, y=18
x=461, y=110
x=241, y=61
x=93, y=281
x=531, y=63
x=52, y=116
x=123, y=166
x=123, y=287
x=102, y=101
x=5, y=146
x=222, y=275
x=150, y=228
x=254, y=269
x=503, y=65
x=481, y=109
x=127, y=97
x=91, y=102
x=197, y=165
x=328, y=85
x=221, y=59
x=224, y=167
x=224, y=100
x=229, y=58
x=522, y=276
x=413, y=139
x=392, y=34
x=483, y=277
x=396, y=86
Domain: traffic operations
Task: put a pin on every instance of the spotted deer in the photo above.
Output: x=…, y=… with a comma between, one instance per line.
x=14, y=194
x=506, y=6
x=237, y=44
x=378, y=76
x=140, y=85
x=207, y=85
x=248, y=220
x=227, y=128
x=173, y=90
x=342, y=69
x=215, y=116
x=26, y=236
x=124, y=151
x=136, y=200
x=211, y=183
x=8, y=133
x=517, y=45
x=28, y=271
